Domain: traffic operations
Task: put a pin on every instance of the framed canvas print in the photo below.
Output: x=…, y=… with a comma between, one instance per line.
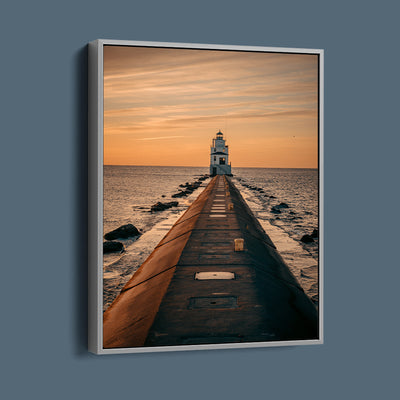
x=205, y=196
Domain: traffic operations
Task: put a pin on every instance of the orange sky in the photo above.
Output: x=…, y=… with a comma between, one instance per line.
x=164, y=106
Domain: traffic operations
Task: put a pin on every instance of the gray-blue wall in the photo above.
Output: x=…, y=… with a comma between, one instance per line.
x=43, y=193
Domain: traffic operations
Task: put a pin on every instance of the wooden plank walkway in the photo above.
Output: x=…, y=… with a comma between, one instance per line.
x=196, y=289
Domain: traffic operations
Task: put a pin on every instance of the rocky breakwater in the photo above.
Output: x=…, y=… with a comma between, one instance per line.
x=310, y=238
x=186, y=189
x=283, y=211
x=189, y=188
x=163, y=206
x=277, y=209
x=127, y=231
x=255, y=188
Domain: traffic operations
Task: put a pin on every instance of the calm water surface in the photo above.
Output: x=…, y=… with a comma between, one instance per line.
x=129, y=192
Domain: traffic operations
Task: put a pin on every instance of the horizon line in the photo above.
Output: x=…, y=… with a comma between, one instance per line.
x=197, y=166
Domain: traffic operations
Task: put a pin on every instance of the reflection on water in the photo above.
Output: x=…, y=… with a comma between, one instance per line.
x=263, y=189
x=118, y=269
x=129, y=192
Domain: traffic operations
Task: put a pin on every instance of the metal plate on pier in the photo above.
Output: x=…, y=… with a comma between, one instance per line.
x=213, y=302
x=201, y=276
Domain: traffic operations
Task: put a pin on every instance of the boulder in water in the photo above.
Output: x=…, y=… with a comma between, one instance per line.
x=123, y=232
x=189, y=188
x=163, y=206
x=307, y=239
x=180, y=194
x=112, y=247
x=282, y=205
x=275, y=210
x=315, y=233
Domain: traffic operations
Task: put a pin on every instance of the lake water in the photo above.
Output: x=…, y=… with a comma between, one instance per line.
x=130, y=191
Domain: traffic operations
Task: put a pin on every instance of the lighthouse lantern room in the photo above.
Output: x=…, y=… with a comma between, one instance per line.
x=219, y=157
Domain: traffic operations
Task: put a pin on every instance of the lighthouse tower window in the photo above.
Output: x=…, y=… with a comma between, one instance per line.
x=215, y=158
x=222, y=160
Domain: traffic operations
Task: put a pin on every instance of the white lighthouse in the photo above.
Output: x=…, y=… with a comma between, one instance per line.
x=219, y=157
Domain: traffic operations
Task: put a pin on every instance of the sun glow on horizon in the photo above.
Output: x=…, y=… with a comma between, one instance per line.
x=163, y=107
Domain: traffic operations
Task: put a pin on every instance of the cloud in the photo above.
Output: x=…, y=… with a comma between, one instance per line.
x=167, y=94
x=161, y=137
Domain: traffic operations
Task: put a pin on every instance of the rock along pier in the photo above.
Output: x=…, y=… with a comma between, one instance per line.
x=195, y=288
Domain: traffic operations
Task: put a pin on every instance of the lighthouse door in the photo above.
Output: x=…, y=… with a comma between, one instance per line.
x=214, y=171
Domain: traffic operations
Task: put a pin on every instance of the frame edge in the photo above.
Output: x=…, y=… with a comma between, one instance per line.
x=95, y=122
x=95, y=193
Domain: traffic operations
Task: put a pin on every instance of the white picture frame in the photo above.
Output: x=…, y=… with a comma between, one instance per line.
x=96, y=148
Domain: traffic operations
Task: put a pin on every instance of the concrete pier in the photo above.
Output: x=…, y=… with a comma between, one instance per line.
x=196, y=289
